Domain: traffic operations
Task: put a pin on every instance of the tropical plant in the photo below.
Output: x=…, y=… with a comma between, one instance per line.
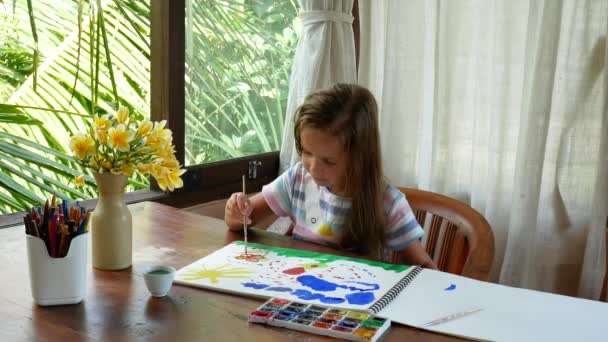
x=97, y=58
x=73, y=75
x=238, y=57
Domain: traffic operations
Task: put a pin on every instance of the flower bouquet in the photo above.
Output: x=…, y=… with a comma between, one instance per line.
x=115, y=147
x=121, y=144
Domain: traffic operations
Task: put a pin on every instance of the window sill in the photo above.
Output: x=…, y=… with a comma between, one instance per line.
x=131, y=197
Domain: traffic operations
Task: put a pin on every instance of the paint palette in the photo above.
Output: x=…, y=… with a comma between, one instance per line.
x=322, y=320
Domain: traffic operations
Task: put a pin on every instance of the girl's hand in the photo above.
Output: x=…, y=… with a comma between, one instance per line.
x=238, y=211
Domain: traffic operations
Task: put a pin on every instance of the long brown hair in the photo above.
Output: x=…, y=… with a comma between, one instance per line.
x=350, y=112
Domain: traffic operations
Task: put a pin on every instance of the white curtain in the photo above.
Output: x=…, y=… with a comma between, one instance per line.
x=503, y=105
x=325, y=54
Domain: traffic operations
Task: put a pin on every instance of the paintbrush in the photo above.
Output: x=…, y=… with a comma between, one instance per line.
x=245, y=218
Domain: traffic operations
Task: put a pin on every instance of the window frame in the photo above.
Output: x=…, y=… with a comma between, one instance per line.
x=205, y=182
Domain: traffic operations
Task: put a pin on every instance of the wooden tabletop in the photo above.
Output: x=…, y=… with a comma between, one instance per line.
x=118, y=307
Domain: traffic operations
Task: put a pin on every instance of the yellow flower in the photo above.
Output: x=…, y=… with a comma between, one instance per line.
x=143, y=168
x=145, y=128
x=127, y=170
x=171, y=164
x=159, y=137
x=79, y=180
x=101, y=136
x=82, y=145
x=165, y=152
x=102, y=123
x=171, y=180
x=122, y=115
x=157, y=171
x=120, y=137
x=121, y=144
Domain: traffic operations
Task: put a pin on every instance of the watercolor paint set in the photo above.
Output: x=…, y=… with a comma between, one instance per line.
x=322, y=320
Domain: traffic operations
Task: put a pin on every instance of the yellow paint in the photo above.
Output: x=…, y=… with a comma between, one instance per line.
x=358, y=315
x=214, y=274
x=365, y=333
x=313, y=265
x=325, y=230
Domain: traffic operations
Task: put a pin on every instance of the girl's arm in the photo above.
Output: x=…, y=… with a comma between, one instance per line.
x=414, y=254
x=238, y=206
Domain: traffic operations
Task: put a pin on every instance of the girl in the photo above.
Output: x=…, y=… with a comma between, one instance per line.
x=337, y=194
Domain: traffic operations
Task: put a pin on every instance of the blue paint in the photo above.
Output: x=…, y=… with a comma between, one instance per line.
x=279, y=289
x=371, y=287
x=360, y=298
x=332, y=300
x=255, y=285
x=317, y=283
x=450, y=288
x=347, y=324
x=307, y=295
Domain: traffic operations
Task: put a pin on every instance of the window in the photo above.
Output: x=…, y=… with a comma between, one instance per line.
x=220, y=73
x=42, y=107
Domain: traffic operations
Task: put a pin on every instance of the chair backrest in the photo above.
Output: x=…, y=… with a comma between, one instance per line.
x=458, y=237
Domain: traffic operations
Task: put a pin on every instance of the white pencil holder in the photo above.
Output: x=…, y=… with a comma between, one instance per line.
x=56, y=281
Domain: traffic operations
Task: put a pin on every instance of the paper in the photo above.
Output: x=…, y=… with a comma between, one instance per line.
x=509, y=313
x=296, y=275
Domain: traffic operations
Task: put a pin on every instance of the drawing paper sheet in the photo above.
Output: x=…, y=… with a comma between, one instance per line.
x=509, y=314
x=291, y=274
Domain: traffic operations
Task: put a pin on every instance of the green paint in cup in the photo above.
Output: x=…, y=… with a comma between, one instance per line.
x=158, y=272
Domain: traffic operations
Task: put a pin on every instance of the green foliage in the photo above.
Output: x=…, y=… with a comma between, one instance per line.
x=84, y=59
x=239, y=55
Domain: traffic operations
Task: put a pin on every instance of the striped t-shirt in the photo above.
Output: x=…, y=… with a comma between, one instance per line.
x=318, y=215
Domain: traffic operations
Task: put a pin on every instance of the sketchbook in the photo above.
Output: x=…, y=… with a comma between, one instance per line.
x=403, y=294
x=297, y=275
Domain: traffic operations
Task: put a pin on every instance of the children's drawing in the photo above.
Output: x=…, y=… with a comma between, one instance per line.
x=293, y=274
x=214, y=275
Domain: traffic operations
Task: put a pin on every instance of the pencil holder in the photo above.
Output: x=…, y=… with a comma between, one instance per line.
x=56, y=281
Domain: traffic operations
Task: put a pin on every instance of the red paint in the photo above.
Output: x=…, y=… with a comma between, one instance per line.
x=279, y=301
x=261, y=313
x=321, y=325
x=295, y=271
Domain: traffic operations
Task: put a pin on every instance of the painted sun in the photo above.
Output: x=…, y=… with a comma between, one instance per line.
x=224, y=271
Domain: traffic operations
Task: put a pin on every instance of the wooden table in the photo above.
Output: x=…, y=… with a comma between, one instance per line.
x=118, y=307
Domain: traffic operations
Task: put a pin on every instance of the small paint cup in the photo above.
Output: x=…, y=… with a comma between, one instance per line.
x=159, y=279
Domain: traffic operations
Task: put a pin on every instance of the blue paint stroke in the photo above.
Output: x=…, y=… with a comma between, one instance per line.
x=331, y=300
x=372, y=287
x=326, y=286
x=317, y=283
x=450, y=288
x=255, y=285
x=307, y=295
x=279, y=289
x=360, y=298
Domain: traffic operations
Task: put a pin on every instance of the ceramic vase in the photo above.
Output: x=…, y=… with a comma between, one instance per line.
x=111, y=224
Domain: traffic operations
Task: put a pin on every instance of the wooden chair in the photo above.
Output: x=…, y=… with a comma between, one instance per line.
x=458, y=237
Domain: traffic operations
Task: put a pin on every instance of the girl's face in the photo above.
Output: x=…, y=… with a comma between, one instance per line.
x=324, y=158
